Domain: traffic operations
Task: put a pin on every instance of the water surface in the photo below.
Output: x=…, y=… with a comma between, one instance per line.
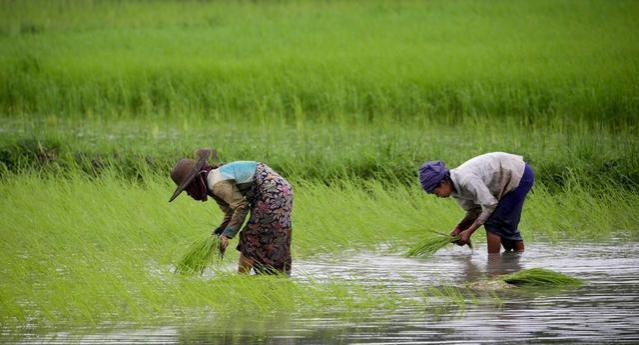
x=605, y=309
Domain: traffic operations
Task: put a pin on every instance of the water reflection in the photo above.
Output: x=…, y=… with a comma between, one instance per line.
x=504, y=263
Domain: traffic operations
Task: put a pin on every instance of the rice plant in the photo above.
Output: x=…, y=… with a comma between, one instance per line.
x=539, y=277
x=431, y=245
x=385, y=152
x=339, y=103
x=201, y=254
x=353, y=61
x=118, y=261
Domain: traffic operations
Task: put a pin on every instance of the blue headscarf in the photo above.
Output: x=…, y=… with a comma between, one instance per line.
x=431, y=175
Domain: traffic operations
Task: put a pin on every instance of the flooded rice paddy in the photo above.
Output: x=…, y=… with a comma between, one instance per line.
x=605, y=309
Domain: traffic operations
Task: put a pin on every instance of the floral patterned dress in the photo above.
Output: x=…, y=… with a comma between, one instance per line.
x=266, y=237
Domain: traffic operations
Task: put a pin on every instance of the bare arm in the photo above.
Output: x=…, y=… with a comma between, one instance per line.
x=487, y=203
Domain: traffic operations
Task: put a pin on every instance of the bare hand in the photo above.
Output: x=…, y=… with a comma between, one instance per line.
x=455, y=233
x=464, y=237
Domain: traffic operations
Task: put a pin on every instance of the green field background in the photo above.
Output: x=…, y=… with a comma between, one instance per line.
x=346, y=99
x=531, y=60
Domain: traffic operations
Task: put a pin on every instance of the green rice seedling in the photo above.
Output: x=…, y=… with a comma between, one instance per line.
x=201, y=254
x=431, y=245
x=118, y=261
x=539, y=277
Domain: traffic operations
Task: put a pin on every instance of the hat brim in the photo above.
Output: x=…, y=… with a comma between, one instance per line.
x=203, y=156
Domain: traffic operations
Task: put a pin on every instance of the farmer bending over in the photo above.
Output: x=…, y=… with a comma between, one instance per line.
x=239, y=188
x=491, y=188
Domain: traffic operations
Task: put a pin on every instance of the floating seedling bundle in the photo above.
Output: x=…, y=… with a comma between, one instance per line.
x=431, y=245
x=201, y=254
x=539, y=277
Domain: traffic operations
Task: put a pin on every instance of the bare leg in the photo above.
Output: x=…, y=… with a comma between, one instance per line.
x=510, y=245
x=519, y=246
x=245, y=264
x=494, y=242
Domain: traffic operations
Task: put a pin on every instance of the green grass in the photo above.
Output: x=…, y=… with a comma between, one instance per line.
x=319, y=151
x=431, y=245
x=540, y=278
x=113, y=244
x=345, y=99
x=200, y=255
x=529, y=280
x=535, y=61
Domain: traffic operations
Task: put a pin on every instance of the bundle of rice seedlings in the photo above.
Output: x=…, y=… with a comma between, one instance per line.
x=539, y=277
x=200, y=254
x=431, y=245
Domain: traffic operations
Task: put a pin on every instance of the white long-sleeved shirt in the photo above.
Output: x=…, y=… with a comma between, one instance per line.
x=481, y=182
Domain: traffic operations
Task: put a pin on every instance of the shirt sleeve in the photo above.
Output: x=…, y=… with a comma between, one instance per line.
x=237, y=206
x=228, y=212
x=472, y=212
x=483, y=198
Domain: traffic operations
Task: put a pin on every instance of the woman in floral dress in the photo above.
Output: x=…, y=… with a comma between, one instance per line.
x=240, y=188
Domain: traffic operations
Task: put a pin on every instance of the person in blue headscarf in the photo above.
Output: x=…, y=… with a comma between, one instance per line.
x=491, y=188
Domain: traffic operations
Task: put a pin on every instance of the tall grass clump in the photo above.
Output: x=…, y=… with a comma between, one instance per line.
x=115, y=253
x=540, y=278
x=431, y=245
x=200, y=254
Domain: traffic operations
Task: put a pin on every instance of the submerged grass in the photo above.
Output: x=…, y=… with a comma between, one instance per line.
x=201, y=254
x=540, y=278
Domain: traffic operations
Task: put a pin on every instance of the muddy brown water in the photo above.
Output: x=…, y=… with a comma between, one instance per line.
x=604, y=310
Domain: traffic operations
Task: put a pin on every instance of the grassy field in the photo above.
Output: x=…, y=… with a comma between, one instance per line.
x=325, y=152
x=341, y=61
x=324, y=90
x=346, y=99
x=113, y=245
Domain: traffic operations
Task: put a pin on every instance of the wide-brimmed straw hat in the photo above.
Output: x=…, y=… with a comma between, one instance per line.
x=185, y=170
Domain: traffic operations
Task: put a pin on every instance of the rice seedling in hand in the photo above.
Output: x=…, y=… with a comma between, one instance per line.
x=201, y=254
x=431, y=245
x=539, y=277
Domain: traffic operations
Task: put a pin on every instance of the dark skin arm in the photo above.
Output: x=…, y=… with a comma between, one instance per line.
x=466, y=234
x=466, y=228
x=463, y=225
